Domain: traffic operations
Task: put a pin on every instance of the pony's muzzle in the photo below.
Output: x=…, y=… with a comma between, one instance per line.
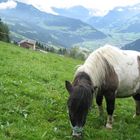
x=77, y=132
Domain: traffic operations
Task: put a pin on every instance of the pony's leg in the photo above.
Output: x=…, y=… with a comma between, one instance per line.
x=110, y=102
x=99, y=100
x=137, y=101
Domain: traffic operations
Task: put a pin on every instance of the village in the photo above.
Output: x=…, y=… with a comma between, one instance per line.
x=75, y=52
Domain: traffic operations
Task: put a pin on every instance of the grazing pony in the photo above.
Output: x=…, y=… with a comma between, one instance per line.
x=108, y=72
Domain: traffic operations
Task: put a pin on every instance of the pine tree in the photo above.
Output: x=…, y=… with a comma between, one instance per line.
x=4, y=32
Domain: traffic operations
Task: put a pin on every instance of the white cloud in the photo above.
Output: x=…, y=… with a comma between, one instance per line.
x=99, y=7
x=7, y=5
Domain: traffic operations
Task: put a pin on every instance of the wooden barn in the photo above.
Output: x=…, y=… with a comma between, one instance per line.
x=28, y=43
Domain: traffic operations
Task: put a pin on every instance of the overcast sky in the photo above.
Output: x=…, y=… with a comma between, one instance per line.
x=100, y=6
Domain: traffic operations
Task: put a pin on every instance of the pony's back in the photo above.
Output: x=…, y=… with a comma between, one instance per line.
x=124, y=62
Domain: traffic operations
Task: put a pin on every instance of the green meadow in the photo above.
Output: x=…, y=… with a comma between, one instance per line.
x=33, y=100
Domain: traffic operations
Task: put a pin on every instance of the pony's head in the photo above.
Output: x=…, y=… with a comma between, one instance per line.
x=79, y=101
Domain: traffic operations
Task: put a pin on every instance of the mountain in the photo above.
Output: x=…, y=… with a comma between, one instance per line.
x=133, y=45
x=76, y=12
x=115, y=18
x=121, y=24
x=27, y=21
x=132, y=25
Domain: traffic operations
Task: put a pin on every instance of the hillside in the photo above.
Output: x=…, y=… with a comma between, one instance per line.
x=33, y=100
x=27, y=21
x=135, y=45
x=32, y=94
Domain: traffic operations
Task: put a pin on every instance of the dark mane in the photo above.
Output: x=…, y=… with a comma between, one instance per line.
x=81, y=99
x=82, y=78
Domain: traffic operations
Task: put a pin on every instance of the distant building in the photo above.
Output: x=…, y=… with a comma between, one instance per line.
x=28, y=43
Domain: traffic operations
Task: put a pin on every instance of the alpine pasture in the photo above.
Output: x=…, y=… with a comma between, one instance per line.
x=33, y=100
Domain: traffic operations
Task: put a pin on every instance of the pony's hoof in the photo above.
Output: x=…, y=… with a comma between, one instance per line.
x=109, y=126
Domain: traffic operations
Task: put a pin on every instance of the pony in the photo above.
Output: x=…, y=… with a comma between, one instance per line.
x=109, y=73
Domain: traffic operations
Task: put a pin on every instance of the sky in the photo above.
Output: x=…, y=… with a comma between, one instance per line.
x=99, y=7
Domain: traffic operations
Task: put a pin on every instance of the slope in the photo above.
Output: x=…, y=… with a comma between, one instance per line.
x=33, y=100
x=32, y=94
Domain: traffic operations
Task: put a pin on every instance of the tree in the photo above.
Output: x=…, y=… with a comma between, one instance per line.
x=76, y=53
x=73, y=52
x=52, y=49
x=4, y=32
x=40, y=45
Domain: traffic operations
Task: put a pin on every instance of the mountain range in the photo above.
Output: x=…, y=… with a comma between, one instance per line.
x=121, y=24
x=75, y=26
x=135, y=45
x=27, y=21
x=115, y=18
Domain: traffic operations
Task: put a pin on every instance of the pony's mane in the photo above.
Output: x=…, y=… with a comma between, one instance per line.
x=82, y=97
x=96, y=64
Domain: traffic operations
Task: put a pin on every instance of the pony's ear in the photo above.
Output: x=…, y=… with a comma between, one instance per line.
x=68, y=86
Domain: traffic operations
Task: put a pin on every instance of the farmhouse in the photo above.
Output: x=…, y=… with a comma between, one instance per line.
x=28, y=43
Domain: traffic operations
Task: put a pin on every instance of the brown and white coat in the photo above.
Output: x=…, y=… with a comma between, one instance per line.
x=116, y=73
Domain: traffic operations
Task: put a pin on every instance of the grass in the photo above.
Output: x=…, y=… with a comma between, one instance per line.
x=33, y=100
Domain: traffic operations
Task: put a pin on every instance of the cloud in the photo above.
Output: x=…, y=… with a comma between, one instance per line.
x=96, y=7
x=8, y=5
